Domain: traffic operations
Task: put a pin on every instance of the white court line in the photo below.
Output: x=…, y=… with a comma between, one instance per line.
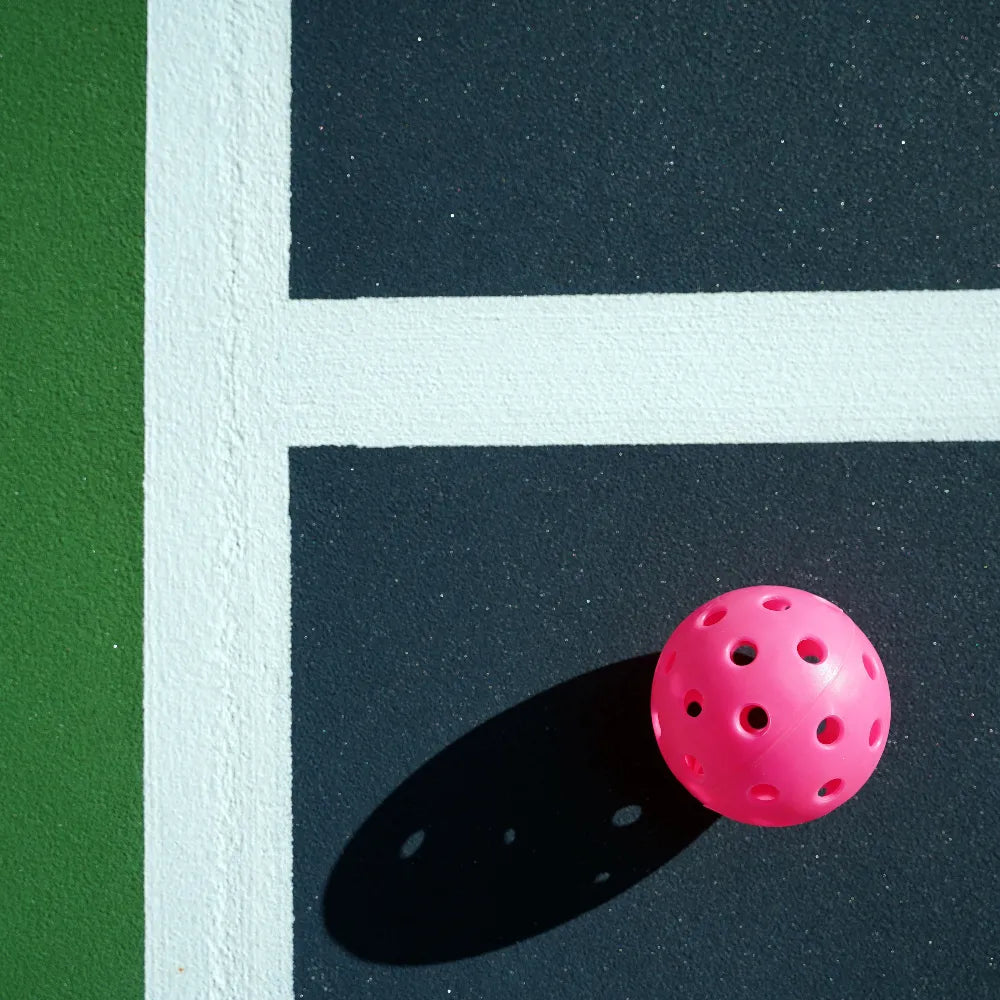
x=235, y=374
x=885, y=366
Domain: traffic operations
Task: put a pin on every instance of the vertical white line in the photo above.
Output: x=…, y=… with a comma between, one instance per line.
x=217, y=765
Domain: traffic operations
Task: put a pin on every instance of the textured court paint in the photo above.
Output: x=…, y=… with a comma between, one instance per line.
x=235, y=374
x=435, y=588
x=822, y=366
x=537, y=147
x=218, y=897
x=71, y=163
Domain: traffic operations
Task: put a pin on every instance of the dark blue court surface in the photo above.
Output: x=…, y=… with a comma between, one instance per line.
x=539, y=147
x=479, y=808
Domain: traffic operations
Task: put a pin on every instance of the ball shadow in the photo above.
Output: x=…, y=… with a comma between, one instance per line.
x=540, y=814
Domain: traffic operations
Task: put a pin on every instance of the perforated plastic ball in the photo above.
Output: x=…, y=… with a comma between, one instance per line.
x=770, y=705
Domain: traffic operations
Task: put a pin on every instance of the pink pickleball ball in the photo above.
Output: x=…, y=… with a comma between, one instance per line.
x=770, y=705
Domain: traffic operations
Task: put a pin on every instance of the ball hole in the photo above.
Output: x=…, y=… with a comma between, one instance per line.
x=693, y=704
x=667, y=665
x=764, y=793
x=753, y=720
x=829, y=730
x=693, y=765
x=870, y=666
x=831, y=788
x=744, y=653
x=811, y=650
x=657, y=729
x=875, y=734
x=714, y=616
x=777, y=604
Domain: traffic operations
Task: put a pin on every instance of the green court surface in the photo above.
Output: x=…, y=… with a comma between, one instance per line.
x=71, y=279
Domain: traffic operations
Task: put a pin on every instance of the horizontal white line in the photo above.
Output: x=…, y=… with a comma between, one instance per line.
x=776, y=367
